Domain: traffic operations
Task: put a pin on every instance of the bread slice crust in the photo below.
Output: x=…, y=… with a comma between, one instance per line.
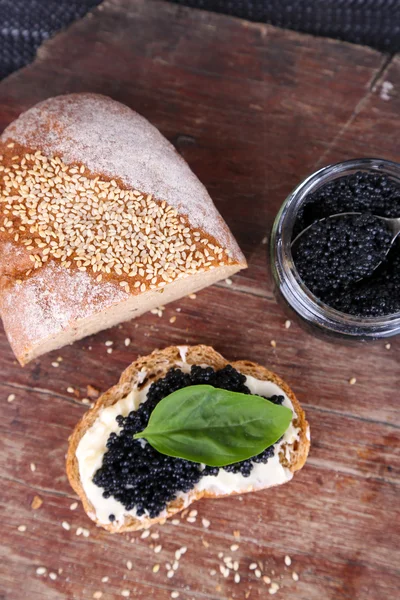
x=147, y=369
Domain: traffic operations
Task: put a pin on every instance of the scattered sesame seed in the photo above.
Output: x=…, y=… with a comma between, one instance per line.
x=237, y=578
x=22, y=528
x=228, y=281
x=33, y=467
x=73, y=506
x=257, y=573
x=205, y=543
x=41, y=570
x=174, y=594
x=145, y=534
x=266, y=579
x=273, y=588
x=264, y=240
x=78, y=531
x=156, y=568
x=175, y=565
x=11, y=398
x=105, y=579
x=86, y=401
x=158, y=549
x=154, y=536
x=388, y=346
x=129, y=565
x=253, y=566
x=127, y=342
x=172, y=319
x=288, y=561
x=205, y=523
x=109, y=350
x=170, y=574
x=175, y=521
x=192, y=296
x=66, y=525
x=193, y=513
x=125, y=593
x=213, y=572
x=183, y=550
x=273, y=343
x=55, y=364
x=295, y=577
x=288, y=324
x=234, y=547
x=236, y=533
x=109, y=343
x=85, y=532
x=352, y=381
x=191, y=519
x=70, y=390
x=60, y=359
x=97, y=594
x=53, y=576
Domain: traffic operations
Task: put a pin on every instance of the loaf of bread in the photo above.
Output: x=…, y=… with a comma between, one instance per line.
x=90, y=440
x=100, y=221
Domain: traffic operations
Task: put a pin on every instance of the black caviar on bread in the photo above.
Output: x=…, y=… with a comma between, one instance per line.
x=141, y=477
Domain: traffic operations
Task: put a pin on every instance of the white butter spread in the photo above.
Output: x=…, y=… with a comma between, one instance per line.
x=92, y=447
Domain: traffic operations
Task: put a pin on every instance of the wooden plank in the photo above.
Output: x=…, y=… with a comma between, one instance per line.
x=253, y=109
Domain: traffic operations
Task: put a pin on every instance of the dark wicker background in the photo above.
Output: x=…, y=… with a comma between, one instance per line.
x=25, y=24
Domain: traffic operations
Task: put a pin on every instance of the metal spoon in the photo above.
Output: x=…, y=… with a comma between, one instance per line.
x=393, y=226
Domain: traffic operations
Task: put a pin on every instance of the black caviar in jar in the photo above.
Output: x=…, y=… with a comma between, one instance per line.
x=336, y=258
x=137, y=475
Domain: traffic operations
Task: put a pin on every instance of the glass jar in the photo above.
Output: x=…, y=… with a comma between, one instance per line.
x=312, y=313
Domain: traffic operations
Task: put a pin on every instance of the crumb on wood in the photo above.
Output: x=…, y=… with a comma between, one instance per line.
x=36, y=502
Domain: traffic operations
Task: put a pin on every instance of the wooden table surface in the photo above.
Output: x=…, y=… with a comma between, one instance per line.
x=253, y=109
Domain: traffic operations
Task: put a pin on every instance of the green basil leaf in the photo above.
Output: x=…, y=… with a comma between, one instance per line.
x=214, y=426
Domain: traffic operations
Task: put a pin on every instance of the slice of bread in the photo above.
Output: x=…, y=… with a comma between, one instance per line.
x=145, y=371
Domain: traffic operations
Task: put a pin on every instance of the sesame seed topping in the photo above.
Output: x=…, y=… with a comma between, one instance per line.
x=388, y=346
x=129, y=565
x=41, y=570
x=74, y=506
x=22, y=528
x=55, y=364
x=53, y=576
x=205, y=523
x=170, y=574
x=94, y=225
x=174, y=594
x=70, y=390
x=288, y=561
x=172, y=319
x=295, y=577
x=158, y=549
x=127, y=342
x=104, y=579
x=257, y=573
x=66, y=525
x=273, y=343
x=145, y=534
x=287, y=324
x=156, y=568
x=237, y=578
x=11, y=398
x=33, y=467
x=253, y=566
x=228, y=281
x=352, y=381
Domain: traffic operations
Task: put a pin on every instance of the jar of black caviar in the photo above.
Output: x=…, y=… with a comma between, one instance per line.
x=369, y=307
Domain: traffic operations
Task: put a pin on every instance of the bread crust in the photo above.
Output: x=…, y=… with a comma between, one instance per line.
x=156, y=365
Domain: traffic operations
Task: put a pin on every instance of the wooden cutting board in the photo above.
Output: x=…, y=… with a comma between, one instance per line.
x=253, y=109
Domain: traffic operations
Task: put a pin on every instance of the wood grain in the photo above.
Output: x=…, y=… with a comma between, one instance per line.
x=253, y=109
